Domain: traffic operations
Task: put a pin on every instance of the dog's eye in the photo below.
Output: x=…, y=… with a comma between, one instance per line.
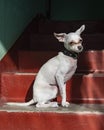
x=71, y=43
x=80, y=41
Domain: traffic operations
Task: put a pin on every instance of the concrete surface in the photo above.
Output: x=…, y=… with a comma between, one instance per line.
x=73, y=108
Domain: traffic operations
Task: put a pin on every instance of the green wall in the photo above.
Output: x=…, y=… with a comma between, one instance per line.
x=16, y=14
x=77, y=9
x=14, y=17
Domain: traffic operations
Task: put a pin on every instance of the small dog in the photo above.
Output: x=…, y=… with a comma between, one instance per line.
x=56, y=72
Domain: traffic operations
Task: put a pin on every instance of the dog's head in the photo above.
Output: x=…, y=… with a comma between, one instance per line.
x=72, y=41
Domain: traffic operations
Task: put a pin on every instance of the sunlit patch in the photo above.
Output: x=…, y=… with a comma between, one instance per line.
x=3, y=51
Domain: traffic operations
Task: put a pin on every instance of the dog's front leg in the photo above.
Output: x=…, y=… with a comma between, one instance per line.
x=62, y=88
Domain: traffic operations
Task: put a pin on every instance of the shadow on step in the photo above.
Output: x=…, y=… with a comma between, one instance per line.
x=74, y=89
x=29, y=94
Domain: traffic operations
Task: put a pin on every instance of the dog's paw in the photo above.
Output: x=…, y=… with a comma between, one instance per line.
x=54, y=104
x=65, y=104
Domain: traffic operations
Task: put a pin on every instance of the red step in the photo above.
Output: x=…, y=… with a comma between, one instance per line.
x=30, y=61
x=76, y=117
x=91, y=61
x=16, y=86
x=88, y=61
x=80, y=89
x=46, y=42
x=86, y=88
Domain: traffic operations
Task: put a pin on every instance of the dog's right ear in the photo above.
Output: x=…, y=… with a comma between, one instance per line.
x=80, y=30
x=60, y=36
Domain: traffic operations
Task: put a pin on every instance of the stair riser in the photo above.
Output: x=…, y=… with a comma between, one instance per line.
x=16, y=87
x=87, y=62
x=30, y=61
x=50, y=121
x=89, y=89
x=85, y=89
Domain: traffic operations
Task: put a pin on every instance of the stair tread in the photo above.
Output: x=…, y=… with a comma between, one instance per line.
x=90, y=74
x=75, y=117
x=72, y=109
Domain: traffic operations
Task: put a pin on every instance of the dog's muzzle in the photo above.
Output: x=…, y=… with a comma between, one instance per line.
x=80, y=48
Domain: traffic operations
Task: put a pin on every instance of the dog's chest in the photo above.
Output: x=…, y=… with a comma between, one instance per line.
x=69, y=66
x=71, y=69
x=68, y=63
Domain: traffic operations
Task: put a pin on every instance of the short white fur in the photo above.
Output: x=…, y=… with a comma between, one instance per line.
x=56, y=72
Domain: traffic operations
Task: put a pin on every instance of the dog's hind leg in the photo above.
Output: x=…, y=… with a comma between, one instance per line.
x=45, y=95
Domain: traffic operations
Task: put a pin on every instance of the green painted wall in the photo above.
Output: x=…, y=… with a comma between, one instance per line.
x=77, y=9
x=14, y=17
x=16, y=14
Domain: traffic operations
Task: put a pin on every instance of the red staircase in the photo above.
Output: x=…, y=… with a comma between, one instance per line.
x=84, y=92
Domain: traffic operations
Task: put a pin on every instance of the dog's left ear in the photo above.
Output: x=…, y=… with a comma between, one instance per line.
x=80, y=30
x=60, y=36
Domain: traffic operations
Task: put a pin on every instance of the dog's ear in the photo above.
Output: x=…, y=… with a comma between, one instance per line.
x=80, y=30
x=60, y=36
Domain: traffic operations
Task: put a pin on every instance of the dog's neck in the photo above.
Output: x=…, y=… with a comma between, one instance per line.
x=74, y=55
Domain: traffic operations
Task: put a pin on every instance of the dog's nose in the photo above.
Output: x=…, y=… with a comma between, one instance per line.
x=80, y=47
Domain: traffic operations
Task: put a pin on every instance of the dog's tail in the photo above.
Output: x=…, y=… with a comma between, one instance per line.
x=21, y=104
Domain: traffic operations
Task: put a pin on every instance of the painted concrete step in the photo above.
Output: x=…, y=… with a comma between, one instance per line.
x=16, y=86
x=43, y=41
x=88, y=61
x=75, y=117
x=80, y=89
x=30, y=61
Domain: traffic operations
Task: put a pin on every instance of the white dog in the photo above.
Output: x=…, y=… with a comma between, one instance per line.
x=56, y=72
